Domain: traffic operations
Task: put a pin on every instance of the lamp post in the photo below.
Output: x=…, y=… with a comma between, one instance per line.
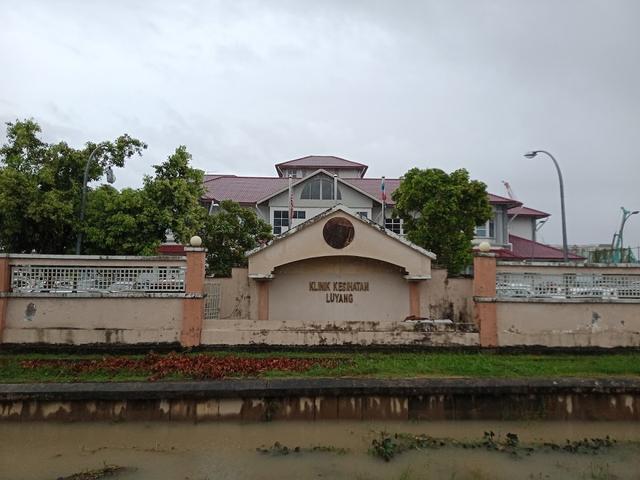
x=110, y=178
x=565, y=246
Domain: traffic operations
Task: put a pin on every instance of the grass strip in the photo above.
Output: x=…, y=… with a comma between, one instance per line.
x=26, y=368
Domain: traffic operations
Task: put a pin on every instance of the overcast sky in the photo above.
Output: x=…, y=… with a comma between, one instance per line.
x=393, y=84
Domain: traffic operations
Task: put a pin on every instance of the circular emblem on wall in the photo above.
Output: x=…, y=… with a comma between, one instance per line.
x=338, y=232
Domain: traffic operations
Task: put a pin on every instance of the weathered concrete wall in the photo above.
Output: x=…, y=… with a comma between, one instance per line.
x=384, y=298
x=447, y=298
x=298, y=316
x=78, y=320
x=46, y=307
x=301, y=332
x=568, y=323
x=328, y=399
x=235, y=294
x=556, y=321
x=440, y=298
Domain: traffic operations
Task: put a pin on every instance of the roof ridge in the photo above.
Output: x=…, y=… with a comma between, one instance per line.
x=248, y=176
x=322, y=156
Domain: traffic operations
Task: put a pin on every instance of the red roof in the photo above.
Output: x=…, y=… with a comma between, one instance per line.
x=524, y=249
x=249, y=190
x=245, y=190
x=527, y=212
x=321, y=161
x=498, y=200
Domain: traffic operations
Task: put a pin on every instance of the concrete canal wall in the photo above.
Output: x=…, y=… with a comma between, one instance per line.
x=326, y=399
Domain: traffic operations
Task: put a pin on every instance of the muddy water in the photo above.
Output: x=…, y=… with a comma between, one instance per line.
x=184, y=451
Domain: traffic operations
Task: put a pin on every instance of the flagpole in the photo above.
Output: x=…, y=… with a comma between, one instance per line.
x=384, y=202
x=290, y=202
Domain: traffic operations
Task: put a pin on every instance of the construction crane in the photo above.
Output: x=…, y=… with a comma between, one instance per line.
x=509, y=190
x=617, y=244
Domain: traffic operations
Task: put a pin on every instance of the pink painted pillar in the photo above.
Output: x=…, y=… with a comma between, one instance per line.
x=5, y=287
x=484, y=293
x=193, y=306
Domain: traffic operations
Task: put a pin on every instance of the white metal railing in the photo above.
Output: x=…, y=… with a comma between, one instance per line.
x=212, y=301
x=567, y=285
x=77, y=279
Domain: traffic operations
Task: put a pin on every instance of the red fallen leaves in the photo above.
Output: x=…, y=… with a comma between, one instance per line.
x=199, y=367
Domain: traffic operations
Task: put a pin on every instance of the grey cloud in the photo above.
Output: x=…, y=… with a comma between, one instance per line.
x=448, y=84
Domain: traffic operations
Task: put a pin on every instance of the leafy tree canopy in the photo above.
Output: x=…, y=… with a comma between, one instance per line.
x=175, y=191
x=440, y=212
x=41, y=184
x=40, y=193
x=134, y=222
x=229, y=233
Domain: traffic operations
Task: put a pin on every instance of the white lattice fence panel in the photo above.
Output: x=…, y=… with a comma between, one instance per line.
x=76, y=279
x=568, y=285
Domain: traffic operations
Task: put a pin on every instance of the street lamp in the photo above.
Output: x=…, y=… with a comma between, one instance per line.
x=565, y=246
x=111, y=178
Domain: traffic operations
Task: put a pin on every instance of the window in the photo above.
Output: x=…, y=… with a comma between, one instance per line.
x=280, y=219
x=487, y=230
x=393, y=224
x=363, y=214
x=319, y=189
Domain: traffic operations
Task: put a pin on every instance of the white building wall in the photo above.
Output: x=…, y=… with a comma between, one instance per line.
x=350, y=198
x=522, y=227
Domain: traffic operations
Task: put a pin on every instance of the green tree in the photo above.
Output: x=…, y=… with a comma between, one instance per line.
x=175, y=191
x=440, y=212
x=134, y=222
x=121, y=223
x=229, y=233
x=41, y=184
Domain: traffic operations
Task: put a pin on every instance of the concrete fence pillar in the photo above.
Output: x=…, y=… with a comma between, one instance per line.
x=5, y=287
x=193, y=306
x=484, y=293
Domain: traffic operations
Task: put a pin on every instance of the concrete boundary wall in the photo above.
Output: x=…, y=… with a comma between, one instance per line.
x=557, y=316
x=326, y=399
x=481, y=313
x=439, y=297
x=357, y=333
x=66, y=299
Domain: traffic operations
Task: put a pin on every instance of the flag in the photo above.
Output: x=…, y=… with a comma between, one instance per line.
x=383, y=194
